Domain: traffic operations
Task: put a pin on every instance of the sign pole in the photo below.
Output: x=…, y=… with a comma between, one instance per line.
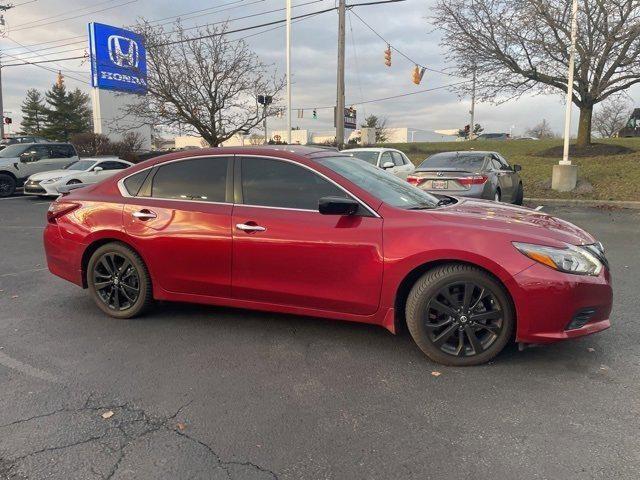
x=572, y=63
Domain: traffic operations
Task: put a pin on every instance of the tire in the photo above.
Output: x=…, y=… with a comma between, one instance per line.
x=7, y=185
x=519, y=198
x=491, y=320
x=497, y=196
x=114, y=272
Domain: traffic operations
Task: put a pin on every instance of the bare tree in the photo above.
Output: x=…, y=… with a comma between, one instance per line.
x=203, y=82
x=542, y=130
x=523, y=46
x=612, y=116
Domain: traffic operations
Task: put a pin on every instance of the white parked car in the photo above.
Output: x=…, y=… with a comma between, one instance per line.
x=388, y=159
x=85, y=171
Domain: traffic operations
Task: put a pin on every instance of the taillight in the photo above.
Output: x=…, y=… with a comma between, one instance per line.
x=58, y=209
x=473, y=180
x=416, y=180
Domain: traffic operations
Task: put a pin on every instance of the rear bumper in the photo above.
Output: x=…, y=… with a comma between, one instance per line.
x=64, y=257
x=547, y=302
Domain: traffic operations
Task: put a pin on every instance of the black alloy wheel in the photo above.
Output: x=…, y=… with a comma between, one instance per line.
x=119, y=281
x=459, y=315
x=116, y=281
x=464, y=319
x=7, y=185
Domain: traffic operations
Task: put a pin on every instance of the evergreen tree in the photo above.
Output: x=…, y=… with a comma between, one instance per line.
x=33, y=113
x=66, y=113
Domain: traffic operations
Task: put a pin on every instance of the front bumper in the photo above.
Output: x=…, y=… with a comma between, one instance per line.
x=547, y=302
x=32, y=187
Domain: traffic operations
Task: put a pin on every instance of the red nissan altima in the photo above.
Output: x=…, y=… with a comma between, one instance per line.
x=313, y=232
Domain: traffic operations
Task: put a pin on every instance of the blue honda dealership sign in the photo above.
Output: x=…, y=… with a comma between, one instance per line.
x=118, y=59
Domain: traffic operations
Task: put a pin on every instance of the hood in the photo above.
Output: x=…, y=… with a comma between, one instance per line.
x=525, y=224
x=52, y=174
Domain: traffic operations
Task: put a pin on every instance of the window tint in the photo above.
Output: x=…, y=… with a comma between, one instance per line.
x=133, y=183
x=62, y=151
x=468, y=161
x=274, y=183
x=198, y=179
x=397, y=159
x=112, y=165
x=366, y=155
x=41, y=151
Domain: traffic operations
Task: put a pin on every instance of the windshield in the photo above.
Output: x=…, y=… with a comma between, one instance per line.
x=80, y=165
x=464, y=161
x=367, y=156
x=385, y=186
x=13, y=151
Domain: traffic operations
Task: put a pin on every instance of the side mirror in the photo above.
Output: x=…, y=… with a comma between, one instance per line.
x=517, y=168
x=97, y=169
x=388, y=165
x=338, y=206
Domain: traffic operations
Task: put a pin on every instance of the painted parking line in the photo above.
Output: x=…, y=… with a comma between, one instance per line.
x=17, y=365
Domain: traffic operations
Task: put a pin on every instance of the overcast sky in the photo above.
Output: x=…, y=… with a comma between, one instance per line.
x=405, y=25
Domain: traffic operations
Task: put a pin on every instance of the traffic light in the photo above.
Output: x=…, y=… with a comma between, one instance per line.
x=315, y=114
x=467, y=130
x=387, y=56
x=418, y=73
x=8, y=120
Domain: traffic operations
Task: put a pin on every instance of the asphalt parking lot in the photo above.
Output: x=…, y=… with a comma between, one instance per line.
x=210, y=393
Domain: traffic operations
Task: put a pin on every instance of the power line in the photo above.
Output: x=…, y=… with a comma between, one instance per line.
x=433, y=89
x=61, y=14
x=75, y=16
x=401, y=53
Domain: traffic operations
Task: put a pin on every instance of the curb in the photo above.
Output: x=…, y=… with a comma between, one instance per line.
x=585, y=203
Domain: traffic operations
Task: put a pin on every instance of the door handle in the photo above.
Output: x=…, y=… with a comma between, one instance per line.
x=250, y=228
x=144, y=214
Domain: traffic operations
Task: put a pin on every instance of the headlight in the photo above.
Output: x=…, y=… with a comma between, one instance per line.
x=51, y=180
x=572, y=259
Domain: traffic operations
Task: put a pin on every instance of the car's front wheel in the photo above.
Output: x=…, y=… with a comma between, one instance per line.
x=459, y=315
x=119, y=281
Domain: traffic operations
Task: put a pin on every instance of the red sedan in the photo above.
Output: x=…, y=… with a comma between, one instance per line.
x=312, y=232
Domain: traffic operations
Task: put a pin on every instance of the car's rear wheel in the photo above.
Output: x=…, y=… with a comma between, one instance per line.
x=119, y=281
x=519, y=198
x=459, y=315
x=7, y=185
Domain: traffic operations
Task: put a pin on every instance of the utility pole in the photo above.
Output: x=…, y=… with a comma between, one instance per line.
x=288, y=77
x=1, y=104
x=472, y=112
x=340, y=100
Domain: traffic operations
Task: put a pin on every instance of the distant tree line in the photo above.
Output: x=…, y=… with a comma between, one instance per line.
x=58, y=114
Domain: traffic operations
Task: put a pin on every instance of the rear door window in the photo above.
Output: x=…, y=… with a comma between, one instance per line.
x=281, y=184
x=202, y=179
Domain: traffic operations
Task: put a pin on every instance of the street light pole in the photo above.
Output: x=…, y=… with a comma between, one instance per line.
x=288, y=73
x=572, y=62
x=340, y=90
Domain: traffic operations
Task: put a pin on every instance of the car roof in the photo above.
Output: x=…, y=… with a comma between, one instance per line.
x=45, y=143
x=370, y=149
x=463, y=153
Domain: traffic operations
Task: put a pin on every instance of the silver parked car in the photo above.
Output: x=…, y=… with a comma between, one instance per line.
x=390, y=159
x=470, y=174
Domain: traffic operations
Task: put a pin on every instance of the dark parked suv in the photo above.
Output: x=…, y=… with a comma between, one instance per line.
x=21, y=160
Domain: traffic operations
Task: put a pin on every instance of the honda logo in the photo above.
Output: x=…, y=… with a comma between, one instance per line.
x=123, y=51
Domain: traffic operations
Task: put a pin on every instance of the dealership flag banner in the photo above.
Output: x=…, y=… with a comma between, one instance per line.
x=118, y=59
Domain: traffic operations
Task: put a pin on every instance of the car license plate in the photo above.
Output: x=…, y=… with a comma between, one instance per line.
x=439, y=184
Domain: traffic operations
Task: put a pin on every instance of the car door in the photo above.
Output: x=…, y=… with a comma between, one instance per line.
x=285, y=252
x=505, y=178
x=35, y=159
x=109, y=168
x=178, y=215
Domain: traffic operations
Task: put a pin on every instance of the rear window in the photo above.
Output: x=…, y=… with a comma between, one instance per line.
x=369, y=157
x=135, y=181
x=452, y=160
